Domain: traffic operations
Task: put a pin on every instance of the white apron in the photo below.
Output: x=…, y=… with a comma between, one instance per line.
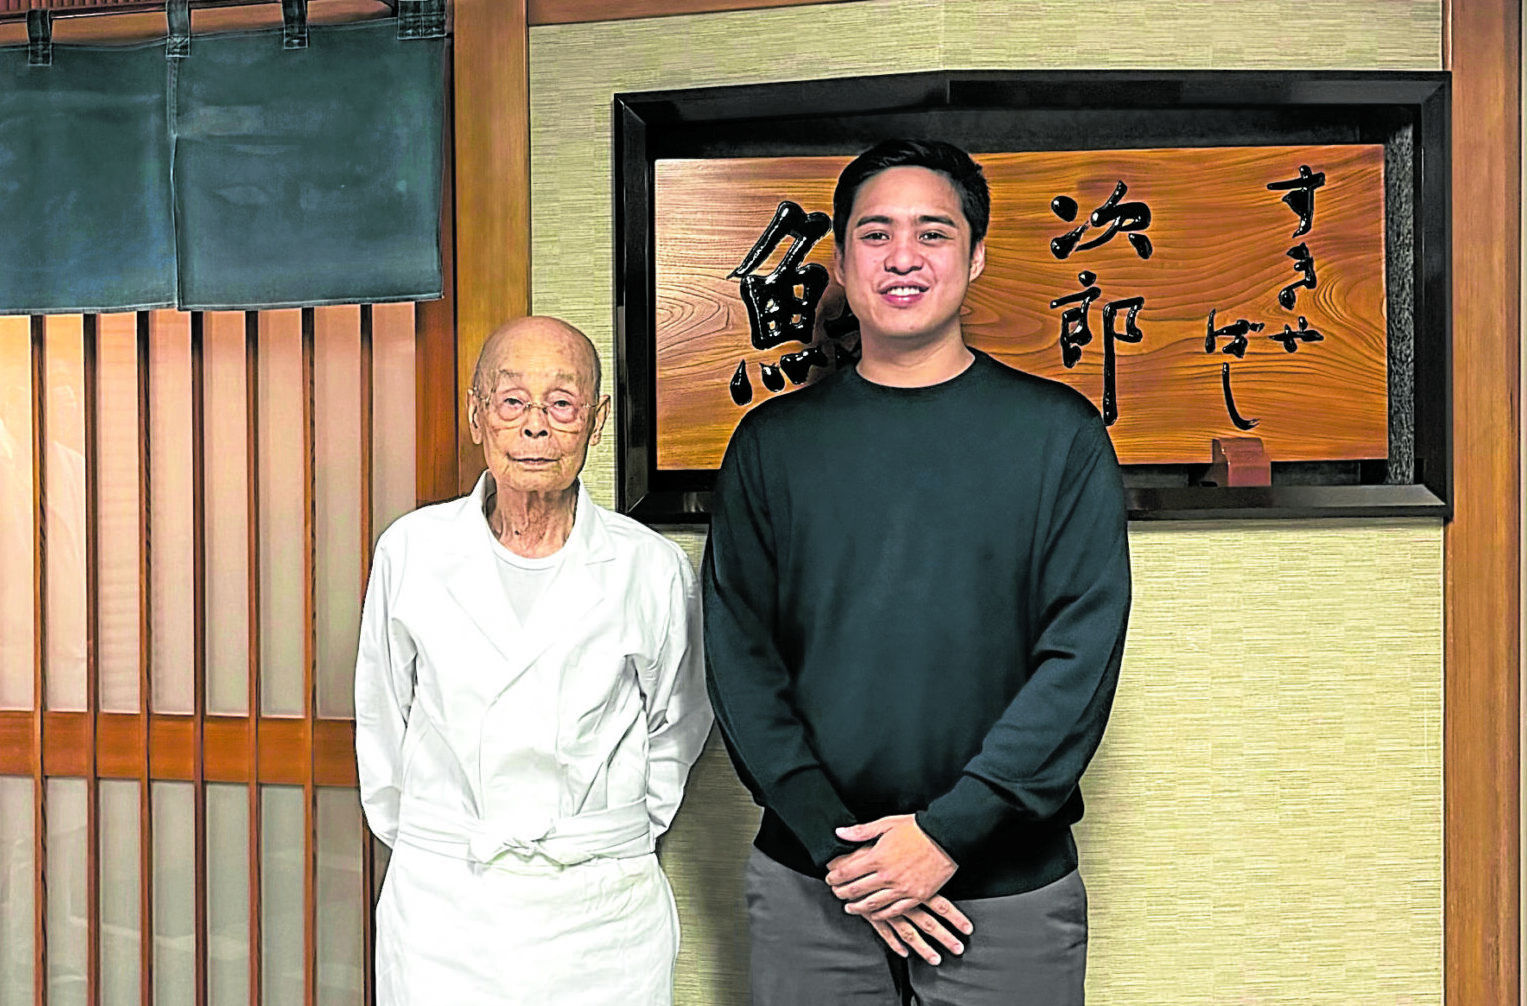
x=522, y=772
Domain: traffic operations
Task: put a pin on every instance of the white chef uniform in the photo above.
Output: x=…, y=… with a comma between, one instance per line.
x=521, y=771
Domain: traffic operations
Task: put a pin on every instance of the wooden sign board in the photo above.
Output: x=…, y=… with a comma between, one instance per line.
x=1310, y=377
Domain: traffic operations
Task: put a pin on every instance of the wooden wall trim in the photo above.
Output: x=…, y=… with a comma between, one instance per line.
x=436, y=405
x=492, y=186
x=579, y=11
x=1481, y=747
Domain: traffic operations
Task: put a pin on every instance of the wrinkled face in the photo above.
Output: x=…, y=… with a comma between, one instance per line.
x=906, y=260
x=539, y=375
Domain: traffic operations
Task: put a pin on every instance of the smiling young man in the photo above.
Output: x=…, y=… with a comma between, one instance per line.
x=529, y=698
x=916, y=591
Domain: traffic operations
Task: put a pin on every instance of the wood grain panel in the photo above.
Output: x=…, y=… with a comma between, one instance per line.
x=119, y=745
x=15, y=742
x=334, y=753
x=225, y=748
x=1482, y=735
x=171, y=747
x=65, y=736
x=492, y=185
x=1220, y=241
x=579, y=11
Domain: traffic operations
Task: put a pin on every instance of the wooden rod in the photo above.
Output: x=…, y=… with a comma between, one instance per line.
x=91, y=336
x=542, y=12
x=199, y=646
x=309, y=668
x=16, y=10
x=368, y=476
x=145, y=671
x=252, y=489
x=39, y=660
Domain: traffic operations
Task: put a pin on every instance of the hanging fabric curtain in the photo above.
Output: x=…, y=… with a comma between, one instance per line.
x=85, y=217
x=305, y=166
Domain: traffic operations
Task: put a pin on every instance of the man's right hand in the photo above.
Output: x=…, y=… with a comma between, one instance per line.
x=906, y=931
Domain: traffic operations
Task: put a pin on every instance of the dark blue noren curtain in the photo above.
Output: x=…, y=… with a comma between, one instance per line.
x=309, y=176
x=245, y=175
x=85, y=218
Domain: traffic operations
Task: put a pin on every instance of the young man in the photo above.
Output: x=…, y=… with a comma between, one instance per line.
x=916, y=589
x=528, y=701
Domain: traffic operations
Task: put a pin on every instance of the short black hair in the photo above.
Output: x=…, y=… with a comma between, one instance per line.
x=935, y=155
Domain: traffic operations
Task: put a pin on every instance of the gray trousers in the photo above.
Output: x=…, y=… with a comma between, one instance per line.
x=1027, y=949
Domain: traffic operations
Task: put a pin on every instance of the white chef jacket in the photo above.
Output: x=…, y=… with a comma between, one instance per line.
x=490, y=746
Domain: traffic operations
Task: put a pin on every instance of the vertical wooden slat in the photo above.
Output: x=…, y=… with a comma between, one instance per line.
x=252, y=487
x=309, y=669
x=39, y=657
x=39, y=650
x=368, y=475
x=438, y=408
x=145, y=670
x=368, y=405
x=199, y=646
x=92, y=657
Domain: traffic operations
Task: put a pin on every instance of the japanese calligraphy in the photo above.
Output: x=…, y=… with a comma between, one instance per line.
x=782, y=305
x=1304, y=265
x=1235, y=332
x=1301, y=196
x=1235, y=416
x=1132, y=218
x=1076, y=332
x=1291, y=338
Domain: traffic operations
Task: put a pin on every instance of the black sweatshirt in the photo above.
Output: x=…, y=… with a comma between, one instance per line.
x=915, y=601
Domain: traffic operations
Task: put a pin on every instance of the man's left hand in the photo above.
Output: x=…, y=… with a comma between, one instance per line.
x=900, y=871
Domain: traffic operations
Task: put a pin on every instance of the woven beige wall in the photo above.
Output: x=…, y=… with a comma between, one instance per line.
x=1264, y=819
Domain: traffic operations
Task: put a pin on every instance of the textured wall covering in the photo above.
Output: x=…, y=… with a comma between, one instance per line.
x=1264, y=820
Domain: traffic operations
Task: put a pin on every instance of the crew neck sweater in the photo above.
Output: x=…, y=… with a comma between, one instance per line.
x=916, y=602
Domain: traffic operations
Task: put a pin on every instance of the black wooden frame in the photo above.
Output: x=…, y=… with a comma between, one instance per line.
x=990, y=111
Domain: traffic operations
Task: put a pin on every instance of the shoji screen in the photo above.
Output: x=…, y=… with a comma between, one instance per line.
x=187, y=506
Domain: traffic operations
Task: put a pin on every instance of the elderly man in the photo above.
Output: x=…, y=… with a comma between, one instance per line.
x=529, y=698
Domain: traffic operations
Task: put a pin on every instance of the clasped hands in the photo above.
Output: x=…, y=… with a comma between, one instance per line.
x=893, y=883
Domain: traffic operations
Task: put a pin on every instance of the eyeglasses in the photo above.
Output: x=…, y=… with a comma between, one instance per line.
x=511, y=408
